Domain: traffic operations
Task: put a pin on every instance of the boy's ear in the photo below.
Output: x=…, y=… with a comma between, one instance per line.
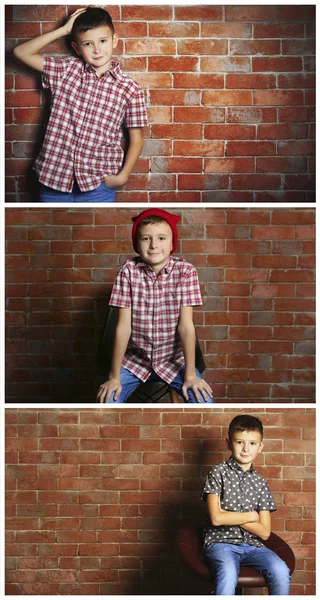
x=261, y=446
x=115, y=40
x=228, y=442
x=75, y=47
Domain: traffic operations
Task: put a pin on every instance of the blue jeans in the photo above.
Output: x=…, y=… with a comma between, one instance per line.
x=130, y=382
x=224, y=561
x=103, y=193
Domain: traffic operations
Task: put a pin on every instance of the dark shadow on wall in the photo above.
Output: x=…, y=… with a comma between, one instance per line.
x=69, y=373
x=161, y=571
x=21, y=181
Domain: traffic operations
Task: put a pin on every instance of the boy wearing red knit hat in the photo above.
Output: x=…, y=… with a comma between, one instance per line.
x=155, y=335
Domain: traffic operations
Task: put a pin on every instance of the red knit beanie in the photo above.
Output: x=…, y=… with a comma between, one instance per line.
x=171, y=219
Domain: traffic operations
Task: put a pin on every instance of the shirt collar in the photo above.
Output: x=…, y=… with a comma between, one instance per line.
x=114, y=70
x=234, y=465
x=140, y=264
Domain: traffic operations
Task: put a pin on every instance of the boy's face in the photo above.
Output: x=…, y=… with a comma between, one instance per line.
x=154, y=244
x=245, y=446
x=96, y=47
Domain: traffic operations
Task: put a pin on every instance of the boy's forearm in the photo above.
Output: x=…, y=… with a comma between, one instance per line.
x=121, y=340
x=226, y=517
x=257, y=529
x=133, y=152
x=188, y=342
x=35, y=45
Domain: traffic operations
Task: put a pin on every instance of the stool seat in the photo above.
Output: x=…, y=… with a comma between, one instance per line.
x=188, y=543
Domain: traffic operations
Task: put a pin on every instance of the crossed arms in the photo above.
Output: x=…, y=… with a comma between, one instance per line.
x=257, y=523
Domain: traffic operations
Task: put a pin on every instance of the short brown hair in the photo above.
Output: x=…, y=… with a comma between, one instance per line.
x=91, y=18
x=245, y=423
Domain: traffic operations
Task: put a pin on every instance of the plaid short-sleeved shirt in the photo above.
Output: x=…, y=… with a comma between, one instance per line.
x=239, y=491
x=84, y=137
x=155, y=303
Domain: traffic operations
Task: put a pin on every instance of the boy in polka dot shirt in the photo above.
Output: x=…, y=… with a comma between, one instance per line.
x=239, y=504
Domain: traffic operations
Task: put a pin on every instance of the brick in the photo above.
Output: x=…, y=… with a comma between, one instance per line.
x=224, y=64
x=298, y=13
x=228, y=131
x=150, y=46
x=283, y=131
x=296, y=46
x=201, y=81
x=251, y=115
x=174, y=29
x=228, y=165
x=178, y=131
x=226, y=30
x=251, y=81
x=250, y=148
x=280, y=164
x=149, y=13
x=252, y=47
x=252, y=13
x=279, y=64
x=203, y=148
x=24, y=98
x=277, y=97
x=173, y=63
x=297, y=80
x=279, y=30
x=229, y=98
x=199, y=13
x=255, y=181
x=296, y=148
x=300, y=181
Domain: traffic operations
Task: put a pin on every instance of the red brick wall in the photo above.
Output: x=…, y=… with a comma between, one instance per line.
x=256, y=326
x=95, y=497
x=230, y=95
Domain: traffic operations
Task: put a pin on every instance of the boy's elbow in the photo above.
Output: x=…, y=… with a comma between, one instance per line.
x=265, y=535
x=215, y=520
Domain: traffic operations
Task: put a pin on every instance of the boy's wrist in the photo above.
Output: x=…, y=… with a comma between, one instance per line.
x=190, y=373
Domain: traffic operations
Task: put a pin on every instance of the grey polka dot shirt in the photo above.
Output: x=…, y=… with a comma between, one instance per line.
x=239, y=491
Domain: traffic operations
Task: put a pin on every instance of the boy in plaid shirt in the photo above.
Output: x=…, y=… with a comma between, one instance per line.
x=81, y=159
x=155, y=336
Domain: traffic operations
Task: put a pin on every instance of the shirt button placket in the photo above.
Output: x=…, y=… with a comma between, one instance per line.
x=156, y=317
x=83, y=122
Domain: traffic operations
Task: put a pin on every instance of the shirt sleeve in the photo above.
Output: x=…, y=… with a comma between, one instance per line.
x=212, y=484
x=266, y=501
x=53, y=70
x=191, y=295
x=136, y=112
x=121, y=291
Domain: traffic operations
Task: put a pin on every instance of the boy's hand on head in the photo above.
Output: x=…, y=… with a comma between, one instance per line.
x=69, y=24
x=106, y=390
x=199, y=387
x=116, y=180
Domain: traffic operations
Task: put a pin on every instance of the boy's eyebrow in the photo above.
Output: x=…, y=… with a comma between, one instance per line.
x=102, y=38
